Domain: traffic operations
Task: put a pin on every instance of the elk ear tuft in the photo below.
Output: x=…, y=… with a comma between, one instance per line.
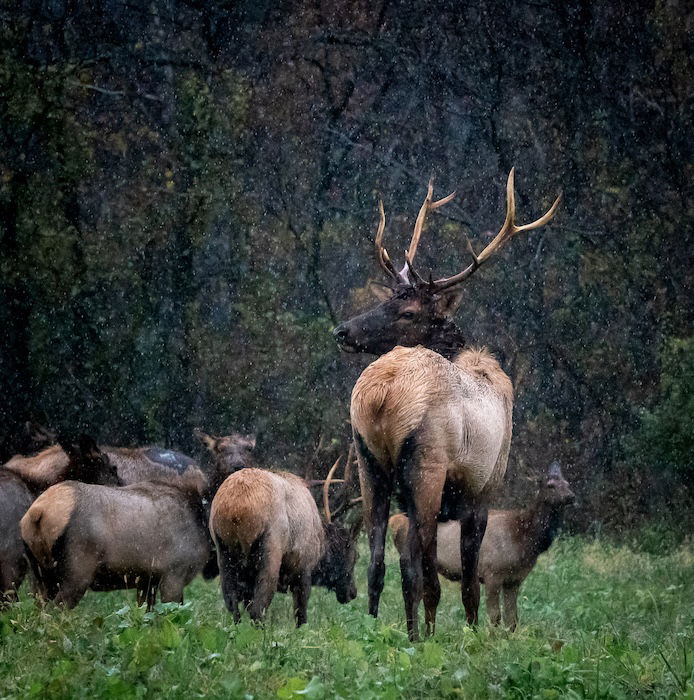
x=382, y=292
x=447, y=301
x=209, y=441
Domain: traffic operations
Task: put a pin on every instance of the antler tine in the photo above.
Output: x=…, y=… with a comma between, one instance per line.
x=427, y=206
x=507, y=231
x=381, y=253
x=326, y=489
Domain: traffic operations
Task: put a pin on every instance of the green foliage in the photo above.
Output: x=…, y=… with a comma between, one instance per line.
x=664, y=440
x=597, y=620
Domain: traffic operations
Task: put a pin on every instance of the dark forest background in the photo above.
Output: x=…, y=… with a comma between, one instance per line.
x=188, y=199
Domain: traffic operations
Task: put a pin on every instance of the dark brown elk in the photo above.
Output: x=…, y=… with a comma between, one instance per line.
x=149, y=535
x=511, y=545
x=269, y=536
x=431, y=419
x=228, y=453
x=16, y=497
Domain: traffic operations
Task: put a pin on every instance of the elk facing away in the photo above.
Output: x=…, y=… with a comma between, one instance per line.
x=431, y=419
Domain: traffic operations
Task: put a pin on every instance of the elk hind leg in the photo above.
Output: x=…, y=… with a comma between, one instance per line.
x=493, y=589
x=376, y=489
x=267, y=578
x=473, y=523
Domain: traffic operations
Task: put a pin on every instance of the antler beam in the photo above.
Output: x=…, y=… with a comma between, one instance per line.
x=507, y=231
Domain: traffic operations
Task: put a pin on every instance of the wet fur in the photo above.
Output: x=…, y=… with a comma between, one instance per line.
x=109, y=537
x=15, y=499
x=269, y=536
x=50, y=466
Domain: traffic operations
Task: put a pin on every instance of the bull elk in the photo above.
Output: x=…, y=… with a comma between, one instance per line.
x=511, y=545
x=269, y=536
x=431, y=419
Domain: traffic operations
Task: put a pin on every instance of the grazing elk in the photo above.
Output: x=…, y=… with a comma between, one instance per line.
x=149, y=535
x=16, y=497
x=269, y=536
x=431, y=419
x=511, y=545
x=51, y=466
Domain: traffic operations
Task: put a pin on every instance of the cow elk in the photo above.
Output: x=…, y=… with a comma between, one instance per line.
x=511, y=545
x=431, y=419
x=16, y=497
x=269, y=536
x=227, y=454
x=148, y=535
x=53, y=464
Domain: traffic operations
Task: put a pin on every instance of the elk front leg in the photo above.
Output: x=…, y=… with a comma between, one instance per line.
x=301, y=590
x=473, y=524
x=511, y=605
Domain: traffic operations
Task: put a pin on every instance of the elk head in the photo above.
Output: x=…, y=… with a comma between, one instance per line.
x=414, y=311
x=335, y=571
x=555, y=489
x=87, y=462
x=228, y=454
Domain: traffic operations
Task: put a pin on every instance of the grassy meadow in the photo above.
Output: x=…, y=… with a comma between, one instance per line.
x=597, y=621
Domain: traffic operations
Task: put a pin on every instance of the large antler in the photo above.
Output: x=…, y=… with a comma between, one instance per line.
x=407, y=275
x=508, y=230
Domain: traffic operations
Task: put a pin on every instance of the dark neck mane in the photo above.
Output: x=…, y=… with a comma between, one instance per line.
x=542, y=522
x=446, y=339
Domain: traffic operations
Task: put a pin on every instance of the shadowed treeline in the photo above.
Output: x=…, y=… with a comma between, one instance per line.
x=188, y=199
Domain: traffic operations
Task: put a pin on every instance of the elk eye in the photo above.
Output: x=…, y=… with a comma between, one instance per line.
x=407, y=315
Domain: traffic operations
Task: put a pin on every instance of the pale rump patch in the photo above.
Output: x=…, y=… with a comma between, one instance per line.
x=252, y=503
x=47, y=519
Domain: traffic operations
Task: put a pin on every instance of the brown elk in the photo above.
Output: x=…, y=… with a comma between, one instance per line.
x=227, y=453
x=16, y=497
x=511, y=545
x=149, y=535
x=431, y=419
x=269, y=536
x=52, y=464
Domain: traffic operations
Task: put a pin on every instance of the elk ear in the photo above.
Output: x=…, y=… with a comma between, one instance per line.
x=446, y=302
x=88, y=447
x=554, y=471
x=382, y=292
x=207, y=440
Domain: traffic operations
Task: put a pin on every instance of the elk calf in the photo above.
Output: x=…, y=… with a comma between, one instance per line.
x=269, y=536
x=510, y=547
x=227, y=454
x=149, y=534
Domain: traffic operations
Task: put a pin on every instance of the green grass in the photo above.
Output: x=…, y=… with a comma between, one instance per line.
x=597, y=621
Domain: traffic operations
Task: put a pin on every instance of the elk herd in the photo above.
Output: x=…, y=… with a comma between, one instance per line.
x=431, y=420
